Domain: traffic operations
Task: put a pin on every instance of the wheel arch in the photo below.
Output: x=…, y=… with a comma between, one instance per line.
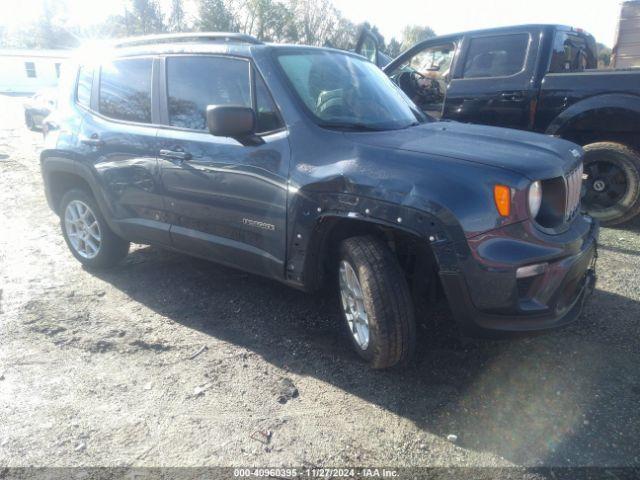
x=60, y=174
x=609, y=117
x=60, y=182
x=317, y=231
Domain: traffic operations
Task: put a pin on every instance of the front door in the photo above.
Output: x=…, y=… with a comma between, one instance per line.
x=227, y=201
x=424, y=74
x=367, y=46
x=492, y=84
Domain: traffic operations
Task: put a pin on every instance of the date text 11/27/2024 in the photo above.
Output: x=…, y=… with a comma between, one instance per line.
x=315, y=472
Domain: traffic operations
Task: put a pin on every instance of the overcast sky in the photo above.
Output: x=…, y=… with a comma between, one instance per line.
x=598, y=17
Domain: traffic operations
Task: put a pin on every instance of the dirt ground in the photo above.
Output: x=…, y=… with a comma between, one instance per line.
x=172, y=361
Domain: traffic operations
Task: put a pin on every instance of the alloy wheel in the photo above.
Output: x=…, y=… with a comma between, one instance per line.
x=353, y=305
x=83, y=229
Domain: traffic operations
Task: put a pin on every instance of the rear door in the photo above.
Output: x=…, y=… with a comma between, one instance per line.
x=493, y=81
x=227, y=201
x=118, y=135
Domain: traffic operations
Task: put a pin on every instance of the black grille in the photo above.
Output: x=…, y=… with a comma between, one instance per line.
x=573, y=189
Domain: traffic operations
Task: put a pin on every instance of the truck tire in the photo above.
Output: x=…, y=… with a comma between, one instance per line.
x=376, y=302
x=612, y=187
x=87, y=233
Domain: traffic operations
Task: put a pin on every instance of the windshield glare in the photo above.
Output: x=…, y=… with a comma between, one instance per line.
x=344, y=91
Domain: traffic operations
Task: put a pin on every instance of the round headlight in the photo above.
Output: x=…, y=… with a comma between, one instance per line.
x=535, y=199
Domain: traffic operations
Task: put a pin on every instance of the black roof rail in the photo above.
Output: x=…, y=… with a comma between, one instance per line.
x=224, y=37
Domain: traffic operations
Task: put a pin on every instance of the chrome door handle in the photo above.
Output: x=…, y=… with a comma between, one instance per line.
x=513, y=96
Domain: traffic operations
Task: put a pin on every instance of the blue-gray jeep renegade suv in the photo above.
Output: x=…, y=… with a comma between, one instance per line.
x=309, y=166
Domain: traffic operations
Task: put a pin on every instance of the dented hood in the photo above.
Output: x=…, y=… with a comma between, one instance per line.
x=533, y=155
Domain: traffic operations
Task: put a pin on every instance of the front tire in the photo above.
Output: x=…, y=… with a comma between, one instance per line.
x=376, y=302
x=87, y=233
x=612, y=186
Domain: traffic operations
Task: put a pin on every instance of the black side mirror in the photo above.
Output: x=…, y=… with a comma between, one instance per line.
x=233, y=121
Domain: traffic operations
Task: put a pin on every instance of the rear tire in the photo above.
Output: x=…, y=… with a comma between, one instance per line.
x=101, y=247
x=385, y=301
x=612, y=190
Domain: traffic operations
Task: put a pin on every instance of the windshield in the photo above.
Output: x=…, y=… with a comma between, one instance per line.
x=343, y=91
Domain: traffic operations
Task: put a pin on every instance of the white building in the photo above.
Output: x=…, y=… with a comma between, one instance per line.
x=626, y=51
x=27, y=71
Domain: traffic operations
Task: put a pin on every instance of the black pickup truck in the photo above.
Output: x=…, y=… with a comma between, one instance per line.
x=542, y=78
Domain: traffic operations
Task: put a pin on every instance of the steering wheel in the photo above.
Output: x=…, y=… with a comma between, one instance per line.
x=409, y=82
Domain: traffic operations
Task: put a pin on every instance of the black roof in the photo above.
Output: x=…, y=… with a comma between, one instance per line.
x=217, y=37
x=539, y=26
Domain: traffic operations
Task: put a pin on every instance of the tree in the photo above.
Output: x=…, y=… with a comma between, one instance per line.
x=316, y=21
x=413, y=34
x=114, y=26
x=48, y=31
x=311, y=22
x=214, y=15
x=144, y=18
x=268, y=20
x=394, y=48
x=177, y=20
x=140, y=17
x=344, y=35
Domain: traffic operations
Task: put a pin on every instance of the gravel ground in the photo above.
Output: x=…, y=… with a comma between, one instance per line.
x=172, y=361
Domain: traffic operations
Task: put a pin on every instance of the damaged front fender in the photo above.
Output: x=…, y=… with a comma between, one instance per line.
x=316, y=215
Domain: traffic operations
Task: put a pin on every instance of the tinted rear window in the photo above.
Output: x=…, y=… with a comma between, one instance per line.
x=498, y=56
x=125, y=90
x=197, y=81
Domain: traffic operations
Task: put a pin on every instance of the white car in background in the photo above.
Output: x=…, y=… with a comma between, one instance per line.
x=39, y=106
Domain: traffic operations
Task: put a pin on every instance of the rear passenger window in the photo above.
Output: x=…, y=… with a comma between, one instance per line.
x=85, y=82
x=125, y=90
x=194, y=82
x=499, y=56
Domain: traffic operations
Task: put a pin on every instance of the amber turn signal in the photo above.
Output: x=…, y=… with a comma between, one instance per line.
x=502, y=197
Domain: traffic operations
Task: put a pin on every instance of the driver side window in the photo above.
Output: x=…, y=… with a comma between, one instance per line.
x=425, y=77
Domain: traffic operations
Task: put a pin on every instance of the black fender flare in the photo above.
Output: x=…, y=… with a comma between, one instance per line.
x=314, y=215
x=52, y=162
x=610, y=100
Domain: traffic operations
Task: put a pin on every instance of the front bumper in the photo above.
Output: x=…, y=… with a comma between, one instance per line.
x=486, y=298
